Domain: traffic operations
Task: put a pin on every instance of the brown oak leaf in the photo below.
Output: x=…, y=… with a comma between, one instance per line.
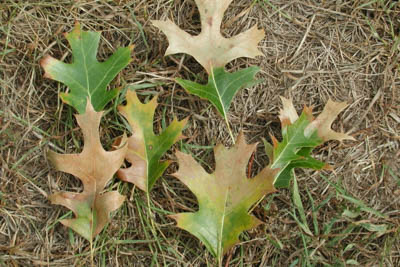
x=94, y=167
x=210, y=48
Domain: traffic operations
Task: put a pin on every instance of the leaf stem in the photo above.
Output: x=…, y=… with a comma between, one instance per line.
x=229, y=130
x=91, y=240
x=223, y=108
x=91, y=253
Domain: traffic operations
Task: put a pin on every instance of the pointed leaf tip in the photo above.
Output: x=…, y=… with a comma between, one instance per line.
x=327, y=167
x=77, y=28
x=46, y=62
x=288, y=113
x=308, y=112
x=274, y=141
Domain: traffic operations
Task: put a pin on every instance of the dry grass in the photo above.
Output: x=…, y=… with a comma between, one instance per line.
x=314, y=50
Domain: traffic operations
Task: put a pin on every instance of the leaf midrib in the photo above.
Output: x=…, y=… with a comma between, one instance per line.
x=107, y=72
x=86, y=70
x=231, y=81
x=216, y=89
x=89, y=92
x=219, y=248
x=286, y=148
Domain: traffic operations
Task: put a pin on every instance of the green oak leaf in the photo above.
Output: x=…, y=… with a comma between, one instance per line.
x=86, y=77
x=294, y=151
x=224, y=196
x=221, y=87
x=145, y=149
x=300, y=135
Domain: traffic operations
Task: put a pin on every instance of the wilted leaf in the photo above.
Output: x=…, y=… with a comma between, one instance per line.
x=224, y=196
x=145, y=148
x=221, y=88
x=210, y=48
x=94, y=167
x=300, y=136
x=85, y=77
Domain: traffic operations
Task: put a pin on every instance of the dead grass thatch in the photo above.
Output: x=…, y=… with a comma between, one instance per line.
x=314, y=50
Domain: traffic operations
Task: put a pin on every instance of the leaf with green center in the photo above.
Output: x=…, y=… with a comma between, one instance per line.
x=224, y=196
x=94, y=167
x=221, y=87
x=145, y=149
x=210, y=48
x=300, y=135
x=85, y=77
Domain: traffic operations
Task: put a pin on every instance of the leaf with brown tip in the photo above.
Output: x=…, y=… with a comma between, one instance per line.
x=224, y=196
x=300, y=135
x=210, y=48
x=86, y=78
x=94, y=167
x=145, y=149
x=288, y=113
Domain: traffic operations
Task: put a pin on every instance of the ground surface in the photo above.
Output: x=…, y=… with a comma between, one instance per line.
x=314, y=50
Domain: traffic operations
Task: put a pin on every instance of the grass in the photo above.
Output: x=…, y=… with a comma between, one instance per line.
x=345, y=50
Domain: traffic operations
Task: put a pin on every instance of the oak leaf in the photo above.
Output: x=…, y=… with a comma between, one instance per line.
x=221, y=88
x=94, y=167
x=224, y=196
x=210, y=48
x=145, y=149
x=85, y=77
x=300, y=135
